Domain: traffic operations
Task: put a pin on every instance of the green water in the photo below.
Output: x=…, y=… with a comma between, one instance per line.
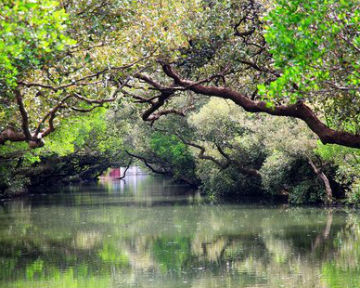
x=149, y=233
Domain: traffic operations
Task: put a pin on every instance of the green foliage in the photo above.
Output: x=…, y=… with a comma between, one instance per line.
x=306, y=192
x=291, y=176
x=169, y=147
x=308, y=39
x=78, y=150
x=173, y=153
x=353, y=193
x=75, y=132
x=277, y=148
x=31, y=32
x=228, y=184
x=14, y=155
x=313, y=45
x=174, y=254
x=274, y=172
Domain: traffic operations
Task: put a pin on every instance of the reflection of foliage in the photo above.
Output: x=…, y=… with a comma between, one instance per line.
x=344, y=270
x=335, y=276
x=110, y=253
x=33, y=269
x=89, y=246
x=173, y=255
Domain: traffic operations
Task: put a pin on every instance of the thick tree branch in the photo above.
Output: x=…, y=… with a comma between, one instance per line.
x=51, y=115
x=299, y=110
x=156, y=102
x=9, y=134
x=147, y=115
x=36, y=139
x=24, y=115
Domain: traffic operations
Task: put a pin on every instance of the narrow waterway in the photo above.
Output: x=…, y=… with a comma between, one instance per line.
x=148, y=232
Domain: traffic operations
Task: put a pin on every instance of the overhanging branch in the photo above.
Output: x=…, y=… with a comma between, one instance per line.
x=147, y=164
x=299, y=110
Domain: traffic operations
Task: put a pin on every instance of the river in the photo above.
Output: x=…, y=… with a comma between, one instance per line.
x=148, y=232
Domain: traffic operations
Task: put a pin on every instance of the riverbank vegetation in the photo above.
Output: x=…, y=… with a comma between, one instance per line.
x=237, y=98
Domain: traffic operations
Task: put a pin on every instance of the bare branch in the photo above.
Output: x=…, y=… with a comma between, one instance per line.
x=79, y=81
x=147, y=164
x=50, y=114
x=126, y=169
x=201, y=154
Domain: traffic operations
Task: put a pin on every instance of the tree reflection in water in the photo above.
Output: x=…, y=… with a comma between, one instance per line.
x=158, y=236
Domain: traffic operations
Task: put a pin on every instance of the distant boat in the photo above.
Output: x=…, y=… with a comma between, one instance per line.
x=115, y=173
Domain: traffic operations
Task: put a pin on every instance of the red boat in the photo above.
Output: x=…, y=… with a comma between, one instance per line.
x=115, y=173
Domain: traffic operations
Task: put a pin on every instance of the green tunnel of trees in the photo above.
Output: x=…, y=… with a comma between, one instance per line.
x=238, y=98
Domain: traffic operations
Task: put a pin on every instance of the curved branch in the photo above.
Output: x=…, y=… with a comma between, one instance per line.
x=201, y=155
x=156, y=105
x=35, y=138
x=9, y=134
x=152, y=113
x=79, y=81
x=51, y=116
x=222, y=164
x=24, y=115
x=126, y=169
x=322, y=176
x=147, y=164
x=244, y=170
x=299, y=110
x=184, y=178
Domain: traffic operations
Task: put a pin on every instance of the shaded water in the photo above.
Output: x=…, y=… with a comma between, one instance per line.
x=149, y=233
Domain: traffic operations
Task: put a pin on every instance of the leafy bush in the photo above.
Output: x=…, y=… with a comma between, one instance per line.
x=174, y=154
x=292, y=176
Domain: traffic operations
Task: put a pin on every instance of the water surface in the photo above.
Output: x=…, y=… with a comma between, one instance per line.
x=147, y=232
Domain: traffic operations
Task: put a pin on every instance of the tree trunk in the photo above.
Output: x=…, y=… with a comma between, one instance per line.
x=324, y=179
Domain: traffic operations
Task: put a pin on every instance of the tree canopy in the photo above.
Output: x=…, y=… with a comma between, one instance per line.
x=137, y=79
x=282, y=59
